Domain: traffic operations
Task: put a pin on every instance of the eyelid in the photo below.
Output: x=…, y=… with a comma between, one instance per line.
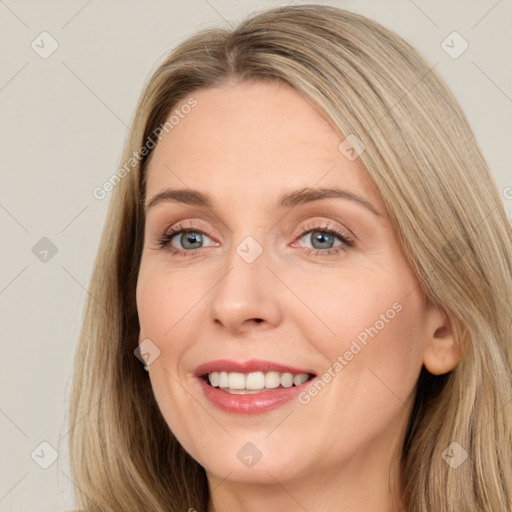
x=313, y=224
x=325, y=219
x=190, y=224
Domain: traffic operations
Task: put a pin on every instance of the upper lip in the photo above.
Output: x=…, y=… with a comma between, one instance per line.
x=254, y=365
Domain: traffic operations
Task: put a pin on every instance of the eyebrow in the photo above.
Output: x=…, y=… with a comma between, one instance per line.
x=288, y=200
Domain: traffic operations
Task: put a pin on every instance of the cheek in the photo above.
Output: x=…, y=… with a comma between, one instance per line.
x=151, y=306
x=372, y=366
x=164, y=301
x=392, y=345
x=381, y=346
x=164, y=298
x=337, y=309
x=374, y=323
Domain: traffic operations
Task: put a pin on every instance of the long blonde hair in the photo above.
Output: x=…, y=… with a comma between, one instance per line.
x=444, y=205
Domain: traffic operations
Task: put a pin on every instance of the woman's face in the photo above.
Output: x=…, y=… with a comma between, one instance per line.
x=306, y=284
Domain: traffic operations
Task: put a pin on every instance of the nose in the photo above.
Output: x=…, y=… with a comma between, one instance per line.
x=247, y=295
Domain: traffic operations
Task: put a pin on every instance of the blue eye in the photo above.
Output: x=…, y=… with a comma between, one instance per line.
x=326, y=235
x=191, y=239
x=322, y=237
x=188, y=239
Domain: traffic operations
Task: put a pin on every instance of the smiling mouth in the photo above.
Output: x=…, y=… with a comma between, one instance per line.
x=255, y=382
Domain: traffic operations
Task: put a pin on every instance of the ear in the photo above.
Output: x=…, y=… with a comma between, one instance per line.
x=442, y=352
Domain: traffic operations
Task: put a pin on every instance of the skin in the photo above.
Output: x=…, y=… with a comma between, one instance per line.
x=244, y=145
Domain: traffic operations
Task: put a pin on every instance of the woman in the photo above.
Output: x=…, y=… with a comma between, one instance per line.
x=307, y=252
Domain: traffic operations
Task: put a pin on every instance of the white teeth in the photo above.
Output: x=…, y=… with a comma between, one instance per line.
x=298, y=379
x=223, y=379
x=214, y=379
x=236, y=380
x=241, y=383
x=272, y=380
x=254, y=380
x=287, y=380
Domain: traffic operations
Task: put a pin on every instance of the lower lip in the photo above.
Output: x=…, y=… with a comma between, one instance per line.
x=254, y=403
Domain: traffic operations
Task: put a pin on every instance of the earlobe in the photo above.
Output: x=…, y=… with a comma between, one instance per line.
x=442, y=351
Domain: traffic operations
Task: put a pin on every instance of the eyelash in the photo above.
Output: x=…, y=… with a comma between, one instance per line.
x=347, y=242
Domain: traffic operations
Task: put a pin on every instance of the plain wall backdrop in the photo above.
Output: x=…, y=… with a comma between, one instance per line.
x=65, y=113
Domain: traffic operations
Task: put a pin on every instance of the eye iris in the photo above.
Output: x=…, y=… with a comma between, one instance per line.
x=193, y=238
x=322, y=237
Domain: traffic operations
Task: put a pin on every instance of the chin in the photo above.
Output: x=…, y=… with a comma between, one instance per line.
x=243, y=465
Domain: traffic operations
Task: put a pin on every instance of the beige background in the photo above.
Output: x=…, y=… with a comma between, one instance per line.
x=63, y=123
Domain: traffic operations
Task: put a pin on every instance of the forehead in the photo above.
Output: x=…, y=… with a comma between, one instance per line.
x=253, y=140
